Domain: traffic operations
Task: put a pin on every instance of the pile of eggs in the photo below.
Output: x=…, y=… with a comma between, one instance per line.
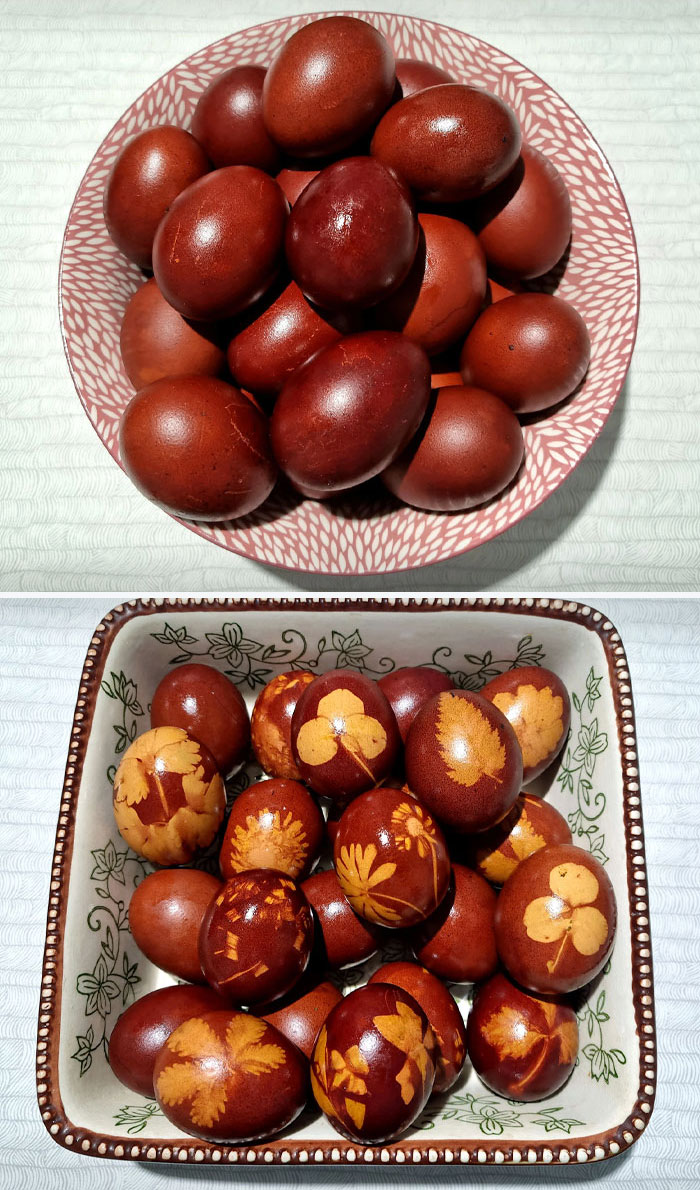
x=413, y=790
x=343, y=250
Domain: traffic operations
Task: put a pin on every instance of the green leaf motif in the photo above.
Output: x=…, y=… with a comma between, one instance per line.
x=134, y=1117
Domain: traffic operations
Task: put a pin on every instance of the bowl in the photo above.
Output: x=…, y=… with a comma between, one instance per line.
x=366, y=531
x=92, y=968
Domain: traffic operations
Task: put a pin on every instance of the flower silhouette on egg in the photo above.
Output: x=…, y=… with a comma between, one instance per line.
x=341, y=722
x=569, y=913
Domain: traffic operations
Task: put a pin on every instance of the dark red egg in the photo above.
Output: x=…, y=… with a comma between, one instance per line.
x=203, y=701
x=147, y=176
x=520, y=1047
x=346, y=938
x=373, y=1065
x=344, y=734
x=328, y=84
x=165, y=913
x=143, y=1029
x=197, y=447
x=442, y=1012
x=274, y=824
x=301, y=1014
x=536, y=704
x=347, y=413
x=555, y=920
x=531, y=350
x=228, y=120
x=413, y=75
x=458, y=942
x=271, y=722
x=352, y=235
x=468, y=449
x=449, y=142
x=294, y=181
x=531, y=824
x=156, y=341
x=219, y=248
x=408, y=689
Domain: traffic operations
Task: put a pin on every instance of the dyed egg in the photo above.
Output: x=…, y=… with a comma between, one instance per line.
x=458, y=941
x=531, y=824
x=227, y=1076
x=143, y=1029
x=413, y=75
x=443, y=1016
x=264, y=354
x=271, y=722
x=444, y=290
x=256, y=937
x=344, y=734
x=328, y=84
x=391, y=858
x=344, y=416
x=156, y=341
x=408, y=689
x=373, y=1065
x=346, y=938
x=463, y=760
x=197, y=447
x=169, y=798
x=209, y=707
x=228, y=120
x=555, y=919
x=352, y=235
x=536, y=704
x=302, y=1013
x=147, y=176
x=165, y=913
x=468, y=449
x=273, y=824
x=294, y=181
x=531, y=350
x=449, y=142
x=524, y=224
x=519, y=1046
x=219, y=248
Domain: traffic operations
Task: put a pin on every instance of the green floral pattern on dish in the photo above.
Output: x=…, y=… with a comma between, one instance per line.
x=492, y=1115
x=481, y=670
x=576, y=775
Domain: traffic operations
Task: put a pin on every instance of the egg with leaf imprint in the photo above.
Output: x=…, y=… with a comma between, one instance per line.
x=536, y=703
x=531, y=824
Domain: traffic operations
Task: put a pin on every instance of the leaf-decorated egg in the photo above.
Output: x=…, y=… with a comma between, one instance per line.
x=228, y=1076
x=169, y=798
x=520, y=1046
x=301, y=1013
x=271, y=722
x=203, y=701
x=555, y=919
x=408, y=689
x=156, y=341
x=256, y=937
x=344, y=734
x=536, y=704
x=458, y=941
x=442, y=1012
x=391, y=858
x=373, y=1065
x=228, y=121
x=165, y=913
x=273, y=824
x=463, y=761
x=531, y=824
x=345, y=939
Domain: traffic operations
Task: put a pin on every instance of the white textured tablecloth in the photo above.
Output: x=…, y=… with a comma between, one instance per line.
x=627, y=518
x=42, y=646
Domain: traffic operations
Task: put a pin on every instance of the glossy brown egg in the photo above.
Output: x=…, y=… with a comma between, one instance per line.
x=165, y=914
x=413, y=75
x=227, y=1076
x=294, y=181
x=143, y=1029
x=156, y=341
x=532, y=350
x=344, y=734
x=468, y=449
x=555, y=920
x=524, y=224
x=328, y=84
x=301, y=1014
x=536, y=704
x=444, y=290
x=219, y=248
x=391, y=858
x=373, y=1065
x=256, y=937
x=352, y=235
x=346, y=938
x=273, y=824
x=346, y=414
x=197, y=447
x=449, y=142
x=519, y=1046
x=458, y=942
x=463, y=761
x=271, y=722
x=442, y=1012
x=408, y=689
x=169, y=798
x=266, y=352
x=147, y=176
x=203, y=701
x=532, y=823
x=228, y=120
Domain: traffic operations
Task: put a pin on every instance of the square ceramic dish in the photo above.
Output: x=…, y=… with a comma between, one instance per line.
x=92, y=968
